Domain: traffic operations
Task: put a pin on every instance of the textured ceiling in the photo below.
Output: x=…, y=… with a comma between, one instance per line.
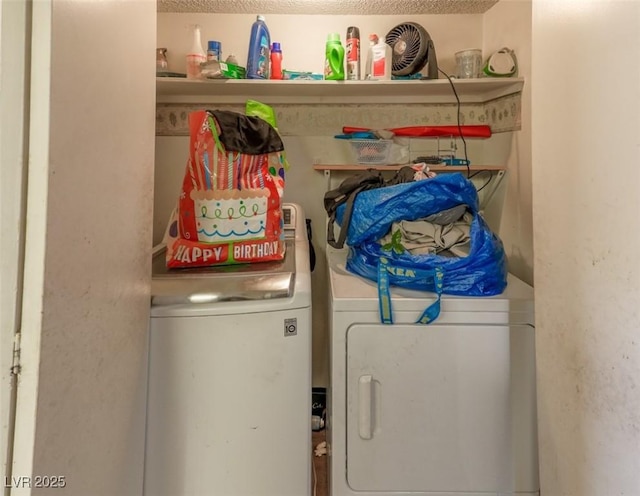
x=350, y=7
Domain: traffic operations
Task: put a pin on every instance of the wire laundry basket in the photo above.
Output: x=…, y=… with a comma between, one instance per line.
x=371, y=152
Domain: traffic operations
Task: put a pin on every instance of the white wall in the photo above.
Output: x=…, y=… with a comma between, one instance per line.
x=81, y=398
x=13, y=42
x=586, y=211
x=508, y=24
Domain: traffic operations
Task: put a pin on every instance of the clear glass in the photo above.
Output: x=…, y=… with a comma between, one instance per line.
x=161, y=60
x=468, y=63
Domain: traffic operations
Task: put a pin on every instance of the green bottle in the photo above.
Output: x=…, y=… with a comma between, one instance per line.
x=334, y=58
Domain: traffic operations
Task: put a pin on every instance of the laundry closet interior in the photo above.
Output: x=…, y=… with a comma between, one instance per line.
x=348, y=346
x=310, y=115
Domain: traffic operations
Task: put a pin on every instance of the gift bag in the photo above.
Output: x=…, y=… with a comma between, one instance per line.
x=230, y=205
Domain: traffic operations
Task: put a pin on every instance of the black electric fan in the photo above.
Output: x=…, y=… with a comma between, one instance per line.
x=412, y=49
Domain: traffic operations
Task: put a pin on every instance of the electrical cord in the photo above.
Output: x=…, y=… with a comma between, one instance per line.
x=486, y=182
x=464, y=143
x=469, y=175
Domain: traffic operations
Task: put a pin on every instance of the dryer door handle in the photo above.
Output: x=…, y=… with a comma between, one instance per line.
x=365, y=405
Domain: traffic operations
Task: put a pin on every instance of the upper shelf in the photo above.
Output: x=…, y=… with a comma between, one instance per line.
x=432, y=167
x=176, y=90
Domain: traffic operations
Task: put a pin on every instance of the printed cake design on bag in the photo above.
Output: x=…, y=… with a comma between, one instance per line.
x=234, y=204
x=229, y=209
x=230, y=215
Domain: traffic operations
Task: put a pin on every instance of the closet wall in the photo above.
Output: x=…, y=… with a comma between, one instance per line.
x=587, y=240
x=508, y=23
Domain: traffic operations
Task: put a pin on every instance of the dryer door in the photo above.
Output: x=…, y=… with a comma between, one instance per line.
x=428, y=408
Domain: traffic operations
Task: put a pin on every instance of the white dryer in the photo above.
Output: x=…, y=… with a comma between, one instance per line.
x=440, y=410
x=229, y=397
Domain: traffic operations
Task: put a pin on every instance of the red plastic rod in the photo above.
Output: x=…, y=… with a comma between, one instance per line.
x=431, y=131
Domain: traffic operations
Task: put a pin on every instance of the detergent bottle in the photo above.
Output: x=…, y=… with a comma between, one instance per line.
x=258, y=60
x=334, y=60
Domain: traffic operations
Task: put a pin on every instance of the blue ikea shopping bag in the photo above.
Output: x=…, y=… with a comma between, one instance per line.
x=483, y=272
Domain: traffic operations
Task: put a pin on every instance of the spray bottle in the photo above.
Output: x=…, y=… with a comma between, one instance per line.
x=353, y=53
x=214, y=51
x=379, y=59
x=196, y=55
x=373, y=40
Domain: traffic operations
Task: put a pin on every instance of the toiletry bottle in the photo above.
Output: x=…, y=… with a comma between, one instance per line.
x=379, y=59
x=382, y=60
x=196, y=55
x=214, y=51
x=353, y=53
x=373, y=41
x=258, y=60
x=334, y=58
x=276, y=61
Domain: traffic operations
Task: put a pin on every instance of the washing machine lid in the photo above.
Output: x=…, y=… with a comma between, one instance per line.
x=350, y=292
x=224, y=283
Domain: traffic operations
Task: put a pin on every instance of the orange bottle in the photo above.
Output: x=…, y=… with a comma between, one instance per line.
x=276, y=61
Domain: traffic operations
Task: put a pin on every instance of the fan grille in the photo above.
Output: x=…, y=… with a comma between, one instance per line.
x=409, y=42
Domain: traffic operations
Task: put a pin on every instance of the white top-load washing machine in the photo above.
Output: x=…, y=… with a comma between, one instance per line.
x=229, y=398
x=442, y=409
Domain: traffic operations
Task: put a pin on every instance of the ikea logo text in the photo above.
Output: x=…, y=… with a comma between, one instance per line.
x=399, y=271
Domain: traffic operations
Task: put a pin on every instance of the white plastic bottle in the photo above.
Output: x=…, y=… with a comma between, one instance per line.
x=196, y=55
x=373, y=40
x=379, y=59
